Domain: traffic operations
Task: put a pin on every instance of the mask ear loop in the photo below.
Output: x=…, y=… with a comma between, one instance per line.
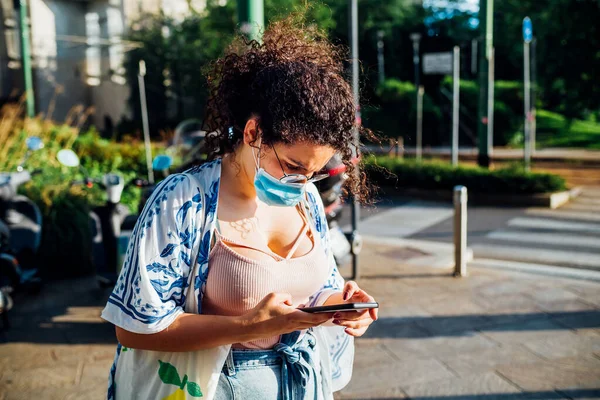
x=257, y=156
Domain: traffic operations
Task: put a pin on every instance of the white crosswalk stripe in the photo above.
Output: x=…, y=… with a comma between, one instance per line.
x=556, y=238
x=551, y=224
x=569, y=236
x=565, y=213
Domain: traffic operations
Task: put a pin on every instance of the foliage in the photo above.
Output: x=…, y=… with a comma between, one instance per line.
x=508, y=107
x=65, y=246
x=400, y=173
x=396, y=115
x=568, y=59
x=175, y=53
x=554, y=130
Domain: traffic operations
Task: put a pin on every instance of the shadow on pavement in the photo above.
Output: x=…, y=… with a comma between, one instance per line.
x=541, y=395
x=64, y=312
x=465, y=325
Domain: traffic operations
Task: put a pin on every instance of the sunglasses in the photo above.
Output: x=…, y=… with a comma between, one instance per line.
x=297, y=179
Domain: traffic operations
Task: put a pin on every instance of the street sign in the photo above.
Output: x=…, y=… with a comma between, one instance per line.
x=527, y=30
x=438, y=63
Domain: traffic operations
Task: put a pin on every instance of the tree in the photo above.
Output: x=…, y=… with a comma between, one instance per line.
x=568, y=50
x=175, y=53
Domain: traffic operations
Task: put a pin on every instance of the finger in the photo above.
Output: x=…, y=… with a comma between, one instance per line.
x=374, y=313
x=278, y=298
x=349, y=289
x=363, y=296
x=310, y=318
x=355, y=332
x=350, y=315
x=363, y=323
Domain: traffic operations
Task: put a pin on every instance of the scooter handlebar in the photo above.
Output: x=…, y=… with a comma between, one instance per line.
x=141, y=183
x=89, y=182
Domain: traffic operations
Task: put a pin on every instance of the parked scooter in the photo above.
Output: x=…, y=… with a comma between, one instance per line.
x=20, y=234
x=160, y=165
x=105, y=220
x=343, y=245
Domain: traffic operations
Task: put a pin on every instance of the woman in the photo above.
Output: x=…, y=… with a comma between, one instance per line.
x=226, y=254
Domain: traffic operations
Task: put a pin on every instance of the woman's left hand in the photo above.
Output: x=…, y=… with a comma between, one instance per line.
x=355, y=322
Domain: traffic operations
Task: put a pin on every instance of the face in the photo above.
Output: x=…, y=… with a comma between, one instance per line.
x=300, y=158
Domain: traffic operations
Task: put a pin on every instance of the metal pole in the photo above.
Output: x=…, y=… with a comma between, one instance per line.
x=251, y=16
x=487, y=24
x=420, y=93
x=533, y=90
x=460, y=231
x=355, y=205
x=380, y=56
x=145, y=125
x=416, y=37
x=26, y=58
x=474, y=56
x=490, y=104
x=527, y=95
x=455, y=105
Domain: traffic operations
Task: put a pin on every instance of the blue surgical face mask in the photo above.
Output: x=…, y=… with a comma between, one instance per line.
x=272, y=191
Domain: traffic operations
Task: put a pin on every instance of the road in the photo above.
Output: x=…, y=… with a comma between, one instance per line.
x=567, y=237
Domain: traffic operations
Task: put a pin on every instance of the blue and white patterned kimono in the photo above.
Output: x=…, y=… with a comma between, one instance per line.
x=164, y=275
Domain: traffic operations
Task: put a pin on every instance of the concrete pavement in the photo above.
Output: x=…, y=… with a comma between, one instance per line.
x=497, y=334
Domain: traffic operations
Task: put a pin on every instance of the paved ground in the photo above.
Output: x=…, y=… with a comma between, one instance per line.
x=493, y=335
x=567, y=237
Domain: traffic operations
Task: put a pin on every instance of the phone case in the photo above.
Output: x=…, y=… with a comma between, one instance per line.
x=341, y=307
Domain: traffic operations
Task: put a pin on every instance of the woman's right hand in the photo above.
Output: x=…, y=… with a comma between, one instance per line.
x=275, y=315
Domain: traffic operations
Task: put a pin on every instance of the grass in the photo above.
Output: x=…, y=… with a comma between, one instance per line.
x=554, y=130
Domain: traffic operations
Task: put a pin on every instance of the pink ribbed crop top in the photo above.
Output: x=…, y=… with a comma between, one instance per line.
x=237, y=283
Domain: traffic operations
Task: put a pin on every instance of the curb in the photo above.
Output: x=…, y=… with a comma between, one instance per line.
x=547, y=200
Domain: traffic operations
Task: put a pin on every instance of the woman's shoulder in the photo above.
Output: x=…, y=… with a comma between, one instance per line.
x=197, y=186
x=207, y=172
x=185, y=184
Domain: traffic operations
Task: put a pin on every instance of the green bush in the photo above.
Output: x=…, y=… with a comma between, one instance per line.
x=66, y=244
x=508, y=107
x=400, y=173
x=396, y=113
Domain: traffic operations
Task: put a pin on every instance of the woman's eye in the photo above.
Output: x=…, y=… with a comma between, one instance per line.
x=292, y=167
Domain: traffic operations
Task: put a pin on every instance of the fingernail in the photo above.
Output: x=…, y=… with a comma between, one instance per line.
x=345, y=296
x=337, y=315
x=335, y=321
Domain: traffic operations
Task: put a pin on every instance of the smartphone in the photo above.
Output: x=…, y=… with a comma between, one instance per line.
x=340, y=307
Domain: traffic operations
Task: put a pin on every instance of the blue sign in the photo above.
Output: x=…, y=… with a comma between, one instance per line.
x=527, y=30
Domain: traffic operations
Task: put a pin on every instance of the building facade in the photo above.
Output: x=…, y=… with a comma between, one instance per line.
x=77, y=51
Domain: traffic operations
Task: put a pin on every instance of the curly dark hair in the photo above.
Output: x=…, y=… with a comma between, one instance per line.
x=293, y=84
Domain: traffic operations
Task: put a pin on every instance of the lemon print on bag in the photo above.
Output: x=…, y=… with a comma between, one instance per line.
x=168, y=375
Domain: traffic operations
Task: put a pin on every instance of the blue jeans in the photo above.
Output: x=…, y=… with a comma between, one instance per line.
x=285, y=373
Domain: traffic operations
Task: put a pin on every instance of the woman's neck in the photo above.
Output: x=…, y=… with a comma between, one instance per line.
x=235, y=178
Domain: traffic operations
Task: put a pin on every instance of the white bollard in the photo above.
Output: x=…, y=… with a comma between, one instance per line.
x=460, y=231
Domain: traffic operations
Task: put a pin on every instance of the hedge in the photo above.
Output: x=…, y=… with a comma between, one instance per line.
x=436, y=175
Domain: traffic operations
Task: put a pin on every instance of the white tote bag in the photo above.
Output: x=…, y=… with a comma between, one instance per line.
x=156, y=375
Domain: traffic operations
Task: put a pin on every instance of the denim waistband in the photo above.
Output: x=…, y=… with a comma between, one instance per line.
x=251, y=358
x=294, y=356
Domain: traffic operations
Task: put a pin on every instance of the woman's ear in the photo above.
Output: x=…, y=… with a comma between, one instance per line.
x=251, y=134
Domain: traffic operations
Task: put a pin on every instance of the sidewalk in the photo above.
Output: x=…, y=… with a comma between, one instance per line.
x=497, y=334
